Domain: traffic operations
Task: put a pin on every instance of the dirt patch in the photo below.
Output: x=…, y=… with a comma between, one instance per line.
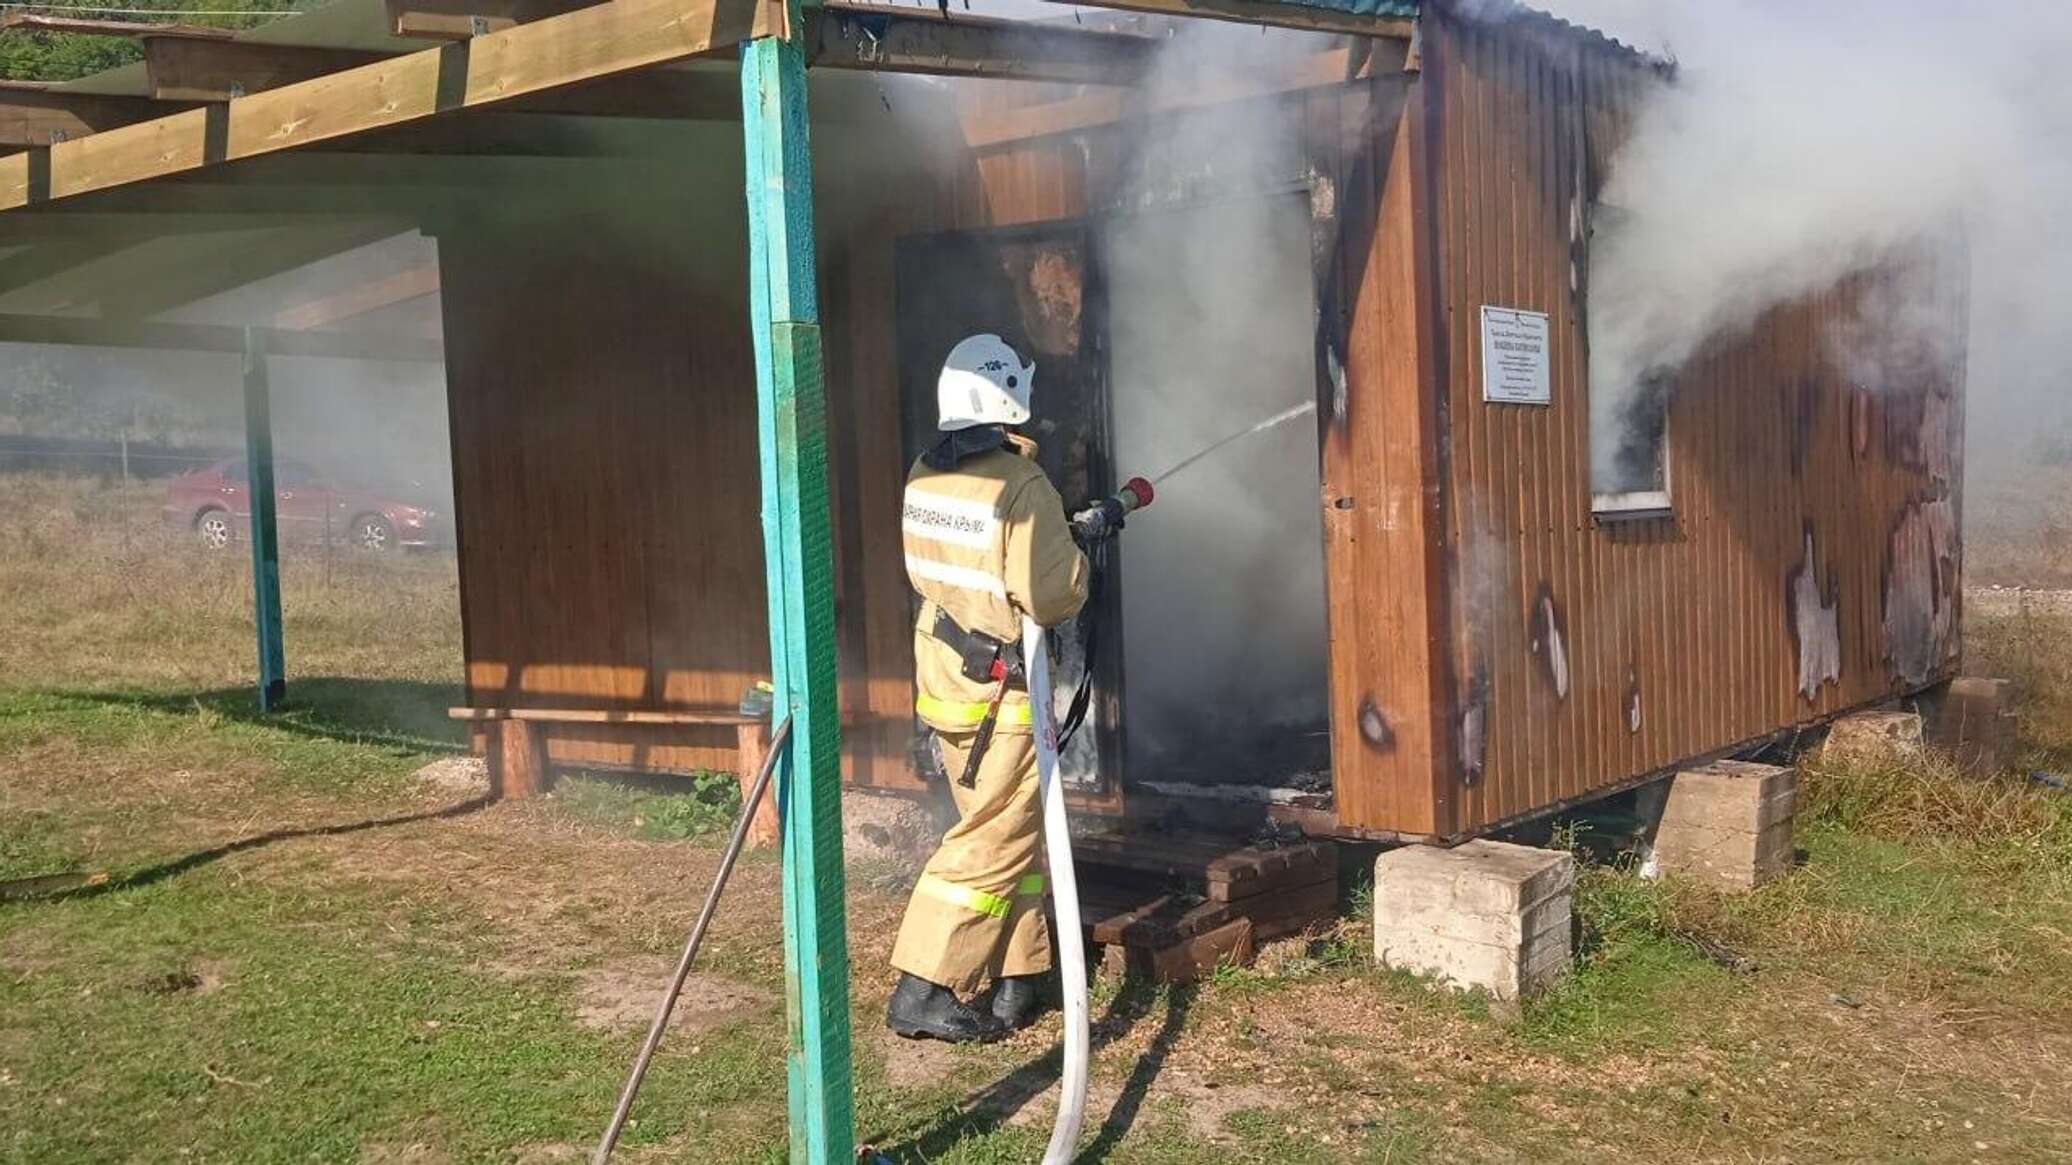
x=455, y=774
x=624, y=994
x=1204, y=1104
x=917, y=1063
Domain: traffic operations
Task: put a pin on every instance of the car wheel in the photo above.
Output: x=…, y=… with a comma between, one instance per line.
x=212, y=528
x=373, y=532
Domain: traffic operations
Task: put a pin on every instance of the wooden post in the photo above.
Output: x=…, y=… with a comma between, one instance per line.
x=751, y=744
x=784, y=314
x=517, y=759
x=264, y=535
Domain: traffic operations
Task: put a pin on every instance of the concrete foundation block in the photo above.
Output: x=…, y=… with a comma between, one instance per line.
x=1728, y=823
x=1481, y=915
x=1972, y=719
x=1874, y=738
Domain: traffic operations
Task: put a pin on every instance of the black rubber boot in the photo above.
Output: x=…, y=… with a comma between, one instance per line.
x=1017, y=1000
x=923, y=1010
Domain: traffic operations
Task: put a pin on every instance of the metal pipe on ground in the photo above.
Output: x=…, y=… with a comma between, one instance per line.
x=778, y=740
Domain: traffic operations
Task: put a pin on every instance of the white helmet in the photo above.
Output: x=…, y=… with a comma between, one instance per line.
x=984, y=382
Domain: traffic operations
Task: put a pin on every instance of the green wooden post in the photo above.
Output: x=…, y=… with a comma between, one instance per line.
x=799, y=561
x=264, y=534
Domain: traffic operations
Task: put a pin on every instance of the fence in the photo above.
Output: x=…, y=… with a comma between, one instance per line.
x=118, y=458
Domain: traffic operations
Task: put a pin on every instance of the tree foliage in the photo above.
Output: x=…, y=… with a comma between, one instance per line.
x=64, y=56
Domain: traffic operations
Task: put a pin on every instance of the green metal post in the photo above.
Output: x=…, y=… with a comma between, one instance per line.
x=797, y=557
x=264, y=533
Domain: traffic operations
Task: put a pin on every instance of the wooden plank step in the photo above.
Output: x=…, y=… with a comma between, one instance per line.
x=1149, y=922
x=1286, y=912
x=1188, y=960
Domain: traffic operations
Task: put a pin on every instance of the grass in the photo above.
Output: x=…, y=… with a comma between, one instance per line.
x=672, y=809
x=299, y=951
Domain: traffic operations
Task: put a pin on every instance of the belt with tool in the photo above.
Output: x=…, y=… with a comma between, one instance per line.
x=984, y=659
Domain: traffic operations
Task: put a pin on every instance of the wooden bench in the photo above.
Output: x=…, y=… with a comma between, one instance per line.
x=518, y=747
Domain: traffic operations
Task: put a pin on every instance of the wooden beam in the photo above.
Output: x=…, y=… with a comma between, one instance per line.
x=909, y=40
x=19, y=21
x=1267, y=12
x=196, y=71
x=36, y=115
x=87, y=332
x=867, y=37
x=578, y=46
x=462, y=19
x=354, y=302
x=798, y=565
x=1332, y=67
x=702, y=95
x=180, y=69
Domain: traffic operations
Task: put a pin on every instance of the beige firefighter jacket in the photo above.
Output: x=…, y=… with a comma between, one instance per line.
x=986, y=542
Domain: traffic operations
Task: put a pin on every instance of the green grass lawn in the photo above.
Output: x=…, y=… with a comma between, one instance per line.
x=292, y=948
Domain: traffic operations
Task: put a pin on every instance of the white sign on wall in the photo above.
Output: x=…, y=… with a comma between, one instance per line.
x=1514, y=357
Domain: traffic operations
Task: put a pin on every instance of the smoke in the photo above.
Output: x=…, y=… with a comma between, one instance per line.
x=1204, y=304
x=1210, y=294
x=1802, y=143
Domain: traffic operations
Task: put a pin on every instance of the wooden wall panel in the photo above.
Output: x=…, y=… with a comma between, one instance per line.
x=1380, y=495
x=605, y=476
x=1680, y=635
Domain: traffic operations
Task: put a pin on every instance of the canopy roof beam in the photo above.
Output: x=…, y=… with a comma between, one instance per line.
x=1268, y=12
x=908, y=40
x=579, y=46
x=33, y=114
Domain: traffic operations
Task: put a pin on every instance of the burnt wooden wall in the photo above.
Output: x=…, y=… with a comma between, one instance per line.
x=1801, y=500
x=603, y=428
x=602, y=419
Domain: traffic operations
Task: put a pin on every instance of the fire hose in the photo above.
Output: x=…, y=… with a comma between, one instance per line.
x=1057, y=844
x=1091, y=526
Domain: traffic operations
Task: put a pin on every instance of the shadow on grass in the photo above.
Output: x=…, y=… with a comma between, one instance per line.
x=985, y=1110
x=59, y=887
x=401, y=713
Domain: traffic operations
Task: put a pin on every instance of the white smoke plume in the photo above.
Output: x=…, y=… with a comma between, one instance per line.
x=1803, y=142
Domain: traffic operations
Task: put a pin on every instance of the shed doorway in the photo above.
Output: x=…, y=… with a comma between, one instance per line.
x=1209, y=330
x=1156, y=333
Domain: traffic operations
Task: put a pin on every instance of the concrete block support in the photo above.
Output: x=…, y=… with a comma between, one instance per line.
x=1485, y=914
x=1972, y=719
x=1728, y=823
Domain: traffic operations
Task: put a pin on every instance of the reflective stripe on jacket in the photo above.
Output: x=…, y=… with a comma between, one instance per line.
x=986, y=542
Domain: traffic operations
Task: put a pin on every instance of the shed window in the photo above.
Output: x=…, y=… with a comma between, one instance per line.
x=1629, y=456
x=1629, y=445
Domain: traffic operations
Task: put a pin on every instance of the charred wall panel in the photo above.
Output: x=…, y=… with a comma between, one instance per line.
x=1809, y=561
x=1379, y=493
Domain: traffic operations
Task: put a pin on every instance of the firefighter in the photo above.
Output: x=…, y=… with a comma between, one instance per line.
x=986, y=543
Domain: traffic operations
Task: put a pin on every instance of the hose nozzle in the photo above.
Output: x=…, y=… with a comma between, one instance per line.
x=1105, y=517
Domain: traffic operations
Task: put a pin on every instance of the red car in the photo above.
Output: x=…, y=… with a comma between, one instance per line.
x=214, y=505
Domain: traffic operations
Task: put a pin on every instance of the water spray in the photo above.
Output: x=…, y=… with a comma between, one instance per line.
x=1279, y=418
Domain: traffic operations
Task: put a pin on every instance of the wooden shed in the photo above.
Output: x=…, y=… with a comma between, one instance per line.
x=1469, y=634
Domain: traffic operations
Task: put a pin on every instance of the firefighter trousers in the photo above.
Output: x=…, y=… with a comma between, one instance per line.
x=977, y=912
